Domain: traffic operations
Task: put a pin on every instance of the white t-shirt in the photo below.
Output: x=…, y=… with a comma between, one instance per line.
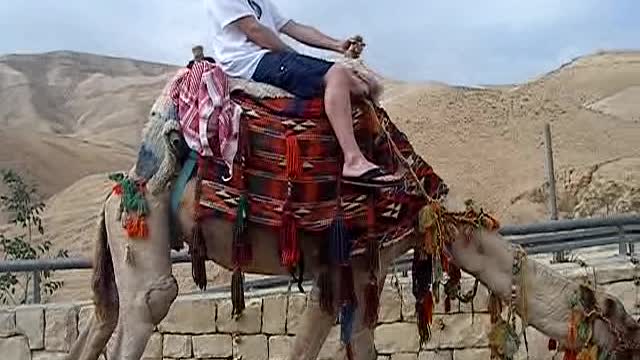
x=237, y=55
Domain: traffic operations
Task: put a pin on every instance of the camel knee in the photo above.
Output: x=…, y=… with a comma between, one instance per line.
x=160, y=296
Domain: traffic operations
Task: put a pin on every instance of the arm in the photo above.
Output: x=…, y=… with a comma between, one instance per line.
x=260, y=34
x=312, y=37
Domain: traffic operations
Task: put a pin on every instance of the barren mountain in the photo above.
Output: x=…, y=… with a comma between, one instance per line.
x=66, y=115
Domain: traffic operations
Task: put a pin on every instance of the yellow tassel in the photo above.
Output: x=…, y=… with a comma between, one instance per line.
x=589, y=353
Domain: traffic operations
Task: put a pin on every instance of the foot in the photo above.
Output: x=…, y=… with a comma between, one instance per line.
x=367, y=174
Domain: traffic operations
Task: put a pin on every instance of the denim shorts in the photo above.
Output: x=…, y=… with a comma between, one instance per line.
x=300, y=75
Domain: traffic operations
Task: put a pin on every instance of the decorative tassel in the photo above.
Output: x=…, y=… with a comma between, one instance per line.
x=128, y=255
x=198, y=250
x=237, y=293
x=325, y=285
x=136, y=227
x=495, y=308
x=289, y=250
x=349, y=351
x=292, y=154
x=424, y=314
x=299, y=280
x=242, y=249
x=570, y=355
x=452, y=287
x=552, y=345
x=422, y=271
x=340, y=241
x=117, y=189
x=346, y=323
x=372, y=303
x=373, y=254
x=445, y=263
x=347, y=289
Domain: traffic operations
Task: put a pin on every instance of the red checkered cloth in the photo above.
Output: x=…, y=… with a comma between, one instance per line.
x=205, y=110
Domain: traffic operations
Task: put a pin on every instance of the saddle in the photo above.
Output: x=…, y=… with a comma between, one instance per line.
x=287, y=173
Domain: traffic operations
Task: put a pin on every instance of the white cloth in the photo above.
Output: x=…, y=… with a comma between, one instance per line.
x=237, y=55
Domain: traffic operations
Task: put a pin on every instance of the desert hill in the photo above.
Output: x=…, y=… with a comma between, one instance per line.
x=74, y=114
x=66, y=115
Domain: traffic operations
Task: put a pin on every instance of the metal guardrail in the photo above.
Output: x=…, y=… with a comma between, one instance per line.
x=544, y=237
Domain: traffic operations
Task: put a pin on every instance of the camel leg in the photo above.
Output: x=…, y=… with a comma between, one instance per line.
x=94, y=337
x=363, y=342
x=315, y=327
x=146, y=287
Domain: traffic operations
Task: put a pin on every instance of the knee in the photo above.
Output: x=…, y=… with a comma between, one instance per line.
x=160, y=296
x=338, y=74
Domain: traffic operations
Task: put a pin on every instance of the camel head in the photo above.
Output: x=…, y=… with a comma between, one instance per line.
x=163, y=147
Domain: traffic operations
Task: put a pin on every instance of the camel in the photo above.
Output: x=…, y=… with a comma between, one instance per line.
x=134, y=287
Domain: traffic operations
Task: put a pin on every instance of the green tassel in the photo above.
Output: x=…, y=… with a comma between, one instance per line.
x=242, y=251
x=242, y=214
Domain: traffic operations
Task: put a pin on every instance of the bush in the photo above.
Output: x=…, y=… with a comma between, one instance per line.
x=23, y=205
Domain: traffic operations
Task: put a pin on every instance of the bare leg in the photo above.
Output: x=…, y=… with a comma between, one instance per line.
x=340, y=85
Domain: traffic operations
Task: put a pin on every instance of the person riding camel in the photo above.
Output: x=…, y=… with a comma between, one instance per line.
x=246, y=44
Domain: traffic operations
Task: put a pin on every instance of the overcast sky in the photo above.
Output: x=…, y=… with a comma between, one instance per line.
x=457, y=41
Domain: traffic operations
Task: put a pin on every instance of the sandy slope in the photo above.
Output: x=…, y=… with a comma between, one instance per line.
x=485, y=142
x=66, y=115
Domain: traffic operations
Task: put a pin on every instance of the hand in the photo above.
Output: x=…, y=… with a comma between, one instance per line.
x=352, y=47
x=346, y=44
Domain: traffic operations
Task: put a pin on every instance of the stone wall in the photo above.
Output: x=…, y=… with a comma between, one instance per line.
x=200, y=326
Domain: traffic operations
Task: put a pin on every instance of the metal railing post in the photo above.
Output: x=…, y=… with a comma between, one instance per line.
x=36, y=287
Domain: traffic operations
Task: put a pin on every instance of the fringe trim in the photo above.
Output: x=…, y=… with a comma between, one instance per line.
x=242, y=248
x=198, y=252
x=289, y=248
x=237, y=293
x=292, y=155
x=326, y=286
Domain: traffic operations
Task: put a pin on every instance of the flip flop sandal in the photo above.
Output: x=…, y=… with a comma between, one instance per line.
x=368, y=179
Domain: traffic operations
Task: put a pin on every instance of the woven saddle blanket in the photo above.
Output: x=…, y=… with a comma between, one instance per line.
x=288, y=165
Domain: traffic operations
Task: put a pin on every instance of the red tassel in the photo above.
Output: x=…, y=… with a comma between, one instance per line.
x=424, y=313
x=570, y=355
x=349, y=351
x=445, y=263
x=289, y=250
x=372, y=303
x=117, y=189
x=553, y=345
x=292, y=154
x=136, y=227
x=427, y=305
x=371, y=214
